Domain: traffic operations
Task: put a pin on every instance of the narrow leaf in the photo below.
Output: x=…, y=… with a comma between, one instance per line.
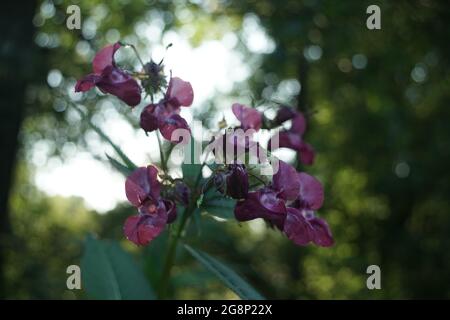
x=108, y=272
x=230, y=278
x=103, y=135
x=218, y=205
x=120, y=167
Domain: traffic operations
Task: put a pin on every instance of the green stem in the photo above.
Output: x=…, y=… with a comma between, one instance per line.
x=161, y=153
x=173, y=242
x=171, y=252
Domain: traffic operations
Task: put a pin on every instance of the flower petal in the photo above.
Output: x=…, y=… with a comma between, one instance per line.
x=119, y=83
x=142, y=184
x=286, y=181
x=237, y=182
x=311, y=192
x=322, y=234
x=284, y=113
x=143, y=228
x=87, y=83
x=168, y=125
x=105, y=58
x=307, y=153
x=261, y=204
x=149, y=118
x=250, y=118
x=180, y=92
x=171, y=209
x=286, y=139
x=298, y=124
x=297, y=228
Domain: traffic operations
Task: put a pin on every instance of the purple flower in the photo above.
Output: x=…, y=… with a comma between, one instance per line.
x=143, y=189
x=165, y=114
x=293, y=138
x=250, y=118
x=289, y=204
x=237, y=181
x=111, y=79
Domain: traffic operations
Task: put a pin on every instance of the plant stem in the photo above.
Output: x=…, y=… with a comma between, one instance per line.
x=161, y=152
x=170, y=258
x=173, y=242
x=137, y=54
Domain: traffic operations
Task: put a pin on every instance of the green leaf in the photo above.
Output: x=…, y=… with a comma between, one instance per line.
x=103, y=135
x=191, y=172
x=230, y=278
x=109, y=273
x=120, y=167
x=218, y=205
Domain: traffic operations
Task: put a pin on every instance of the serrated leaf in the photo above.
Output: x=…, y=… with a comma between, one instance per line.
x=229, y=277
x=108, y=272
x=119, y=167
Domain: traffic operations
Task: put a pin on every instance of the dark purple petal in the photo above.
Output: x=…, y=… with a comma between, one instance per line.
x=142, y=184
x=297, y=228
x=171, y=209
x=271, y=202
x=237, y=182
x=311, y=192
x=286, y=139
x=250, y=118
x=144, y=227
x=104, y=58
x=249, y=208
x=307, y=153
x=87, y=83
x=120, y=84
x=322, y=234
x=168, y=125
x=284, y=113
x=298, y=124
x=149, y=118
x=286, y=181
x=262, y=204
x=179, y=92
x=182, y=192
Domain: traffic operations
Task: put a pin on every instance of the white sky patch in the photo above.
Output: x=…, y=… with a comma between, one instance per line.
x=83, y=176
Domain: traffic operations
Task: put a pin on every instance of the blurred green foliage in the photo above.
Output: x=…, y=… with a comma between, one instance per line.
x=379, y=120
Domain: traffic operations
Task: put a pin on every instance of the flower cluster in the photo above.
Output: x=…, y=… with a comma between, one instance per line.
x=287, y=200
x=143, y=190
x=124, y=85
x=111, y=79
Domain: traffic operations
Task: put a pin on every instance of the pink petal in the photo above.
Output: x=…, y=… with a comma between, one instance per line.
x=105, y=58
x=287, y=181
x=286, y=139
x=87, y=83
x=311, y=191
x=143, y=228
x=141, y=184
x=169, y=125
x=297, y=228
x=180, y=92
x=322, y=234
x=119, y=83
x=250, y=118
